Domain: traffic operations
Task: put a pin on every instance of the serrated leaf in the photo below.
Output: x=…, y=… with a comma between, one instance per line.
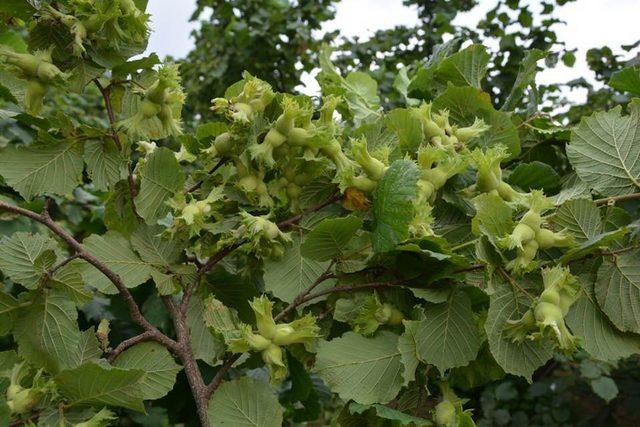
x=393, y=205
x=8, y=312
x=518, y=358
x=19, y=256
x=465, y=104
x=206, y=346
x=617, y=290
x=68, y=279
x=88, y=349
x=155, y=250
x=448, y=337
x=604, y=151
x=328, y=239
x=597, y=335
x=116, y=252
x=160, y=178
x=391, y=414
x=465, y=68
x=407, y=126
x=118, y=211
x=42, y=169
x=47, y=333
x=105, y=164
x=572, y=188
x=408, y=348
x=526, y=76
x=580, y=218
x=535, y=176
x=366, y=370
x=627, y=80
x=100, y=384
x=220, y=319
x=289, y=275
x=245, y=402
x=156, y=362
x=594, y=244
x=493, y=216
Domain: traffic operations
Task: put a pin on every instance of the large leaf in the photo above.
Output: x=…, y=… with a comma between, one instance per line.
x=158, y=365
x=9, y=307
x=448, y=337
x=155, y=250
x=100, y=384
x=535, y=176
x=116, y=252
x=518, y=358
x=206, y=346
x=245, y=402
x=627, y=80
x=597, y=335
x=526, y=76
x=618, y=290
x=289, y=275
x=465, y=104
x=160, y=177
x=465, y=68
x=47, y=333
x=580, y=218
x=42, y=169
x=604, y=151
x=329, y=238
x=393, y=205
x=105, y=164
x=25, y=257
x=366, y=370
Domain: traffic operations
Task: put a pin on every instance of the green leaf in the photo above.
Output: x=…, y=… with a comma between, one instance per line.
x=597, y=335
x=47, y=333
x=393, y=205
x=289, y=275
x=605, y=387
x=465, y=68
x=8, y=312
x=535, y=176
x=155, y=250
x=580, y=218
x=116, y=252
x=245, y=402
x=68, y=279
x=617, y=290
x=526, y=76
x=206, y=346
x=604, y=151
x=21, y=257
x=493, y=216
x=448, y=337
x=329, y=238
x=88, y=349
x=105, y=164
x=408, y=348
x=627, y=80
x=160, y=178
x=22, y=9
x=118, y=211
x=465, y=104
x=366, y=370
x=407, y=127
x=594, y=244
x=156, y=362
x=42, y=169
x=572, y=188
x=100, y=384
x=389, y=414
x=518, y=358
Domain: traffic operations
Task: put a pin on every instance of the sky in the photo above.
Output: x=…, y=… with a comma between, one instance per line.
x=589, y=23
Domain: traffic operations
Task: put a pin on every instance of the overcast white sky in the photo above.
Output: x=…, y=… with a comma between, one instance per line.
x=589, y=23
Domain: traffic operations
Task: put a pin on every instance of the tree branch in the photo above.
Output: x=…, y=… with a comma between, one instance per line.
x=621, y=198
x=198, y=184
x=114, y=353
x=82, y=253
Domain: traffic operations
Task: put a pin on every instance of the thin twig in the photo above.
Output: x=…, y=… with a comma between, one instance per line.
x=621, y=198
x=213, y=170
x=145, y=336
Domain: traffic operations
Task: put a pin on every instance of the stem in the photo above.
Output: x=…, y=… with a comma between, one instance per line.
x=106, y=95
x=464, y=245
x=145, y=336
x=621, y=198
x=198, y=184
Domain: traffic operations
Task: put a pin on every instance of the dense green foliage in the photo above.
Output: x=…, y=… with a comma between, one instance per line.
x=352, y=259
